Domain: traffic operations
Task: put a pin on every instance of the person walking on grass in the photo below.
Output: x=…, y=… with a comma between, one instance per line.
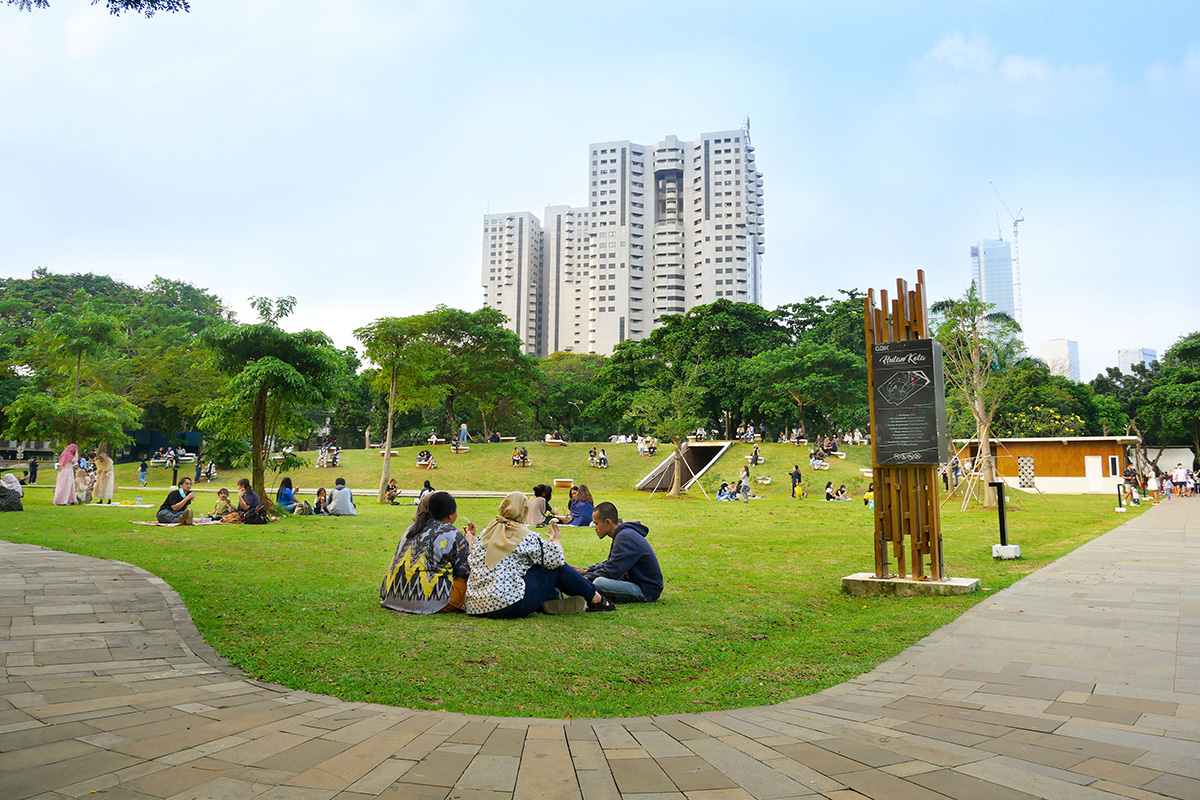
x=631, y=573
x=797, y=482
x=176, y=507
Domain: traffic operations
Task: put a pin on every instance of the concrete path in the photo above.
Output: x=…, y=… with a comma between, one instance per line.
x=1080, y=682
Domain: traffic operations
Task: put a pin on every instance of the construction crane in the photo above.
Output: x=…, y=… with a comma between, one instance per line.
x=1017, y=219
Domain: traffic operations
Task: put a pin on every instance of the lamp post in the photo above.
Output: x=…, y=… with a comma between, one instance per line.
x=579, y=408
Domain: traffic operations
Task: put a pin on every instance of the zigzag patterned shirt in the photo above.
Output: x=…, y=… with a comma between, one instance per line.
x=424, y=568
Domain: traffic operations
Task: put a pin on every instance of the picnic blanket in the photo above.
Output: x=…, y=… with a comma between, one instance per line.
x=158, y=524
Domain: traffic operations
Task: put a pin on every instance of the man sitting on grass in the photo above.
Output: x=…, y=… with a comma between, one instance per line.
x=341, y=500
x=631, y=573
x=175, y=507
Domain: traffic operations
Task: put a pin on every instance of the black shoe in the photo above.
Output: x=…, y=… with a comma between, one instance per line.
x=604, y=605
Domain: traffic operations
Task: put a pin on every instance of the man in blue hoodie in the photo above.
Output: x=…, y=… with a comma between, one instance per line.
x=631, y=573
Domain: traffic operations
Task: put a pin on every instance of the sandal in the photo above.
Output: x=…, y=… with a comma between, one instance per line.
x=604, y=605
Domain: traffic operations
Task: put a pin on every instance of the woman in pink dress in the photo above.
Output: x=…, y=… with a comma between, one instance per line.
x=64, y=484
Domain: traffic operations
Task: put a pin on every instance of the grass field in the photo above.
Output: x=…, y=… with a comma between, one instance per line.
x=752, y=612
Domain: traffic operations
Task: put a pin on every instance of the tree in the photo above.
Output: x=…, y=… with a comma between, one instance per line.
x=1176, y=396
x=115, y=7
x=826, y=320
x=807, y=377
x=80, y=332
x=977, y=342
x=476, y=359
x=398, y=345
x=89, y=418
x=670, y=415
x=271, y=373
x=566, y=385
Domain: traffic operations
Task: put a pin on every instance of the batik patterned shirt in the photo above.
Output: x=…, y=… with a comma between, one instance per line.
x=424, y=568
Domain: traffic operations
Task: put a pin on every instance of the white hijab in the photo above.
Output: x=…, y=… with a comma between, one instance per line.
x=10, y=482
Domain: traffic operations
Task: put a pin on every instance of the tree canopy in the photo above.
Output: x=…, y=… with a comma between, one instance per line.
x=115, y=7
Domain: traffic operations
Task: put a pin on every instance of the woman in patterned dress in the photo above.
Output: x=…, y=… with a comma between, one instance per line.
x=429, y=571
x=515, y=572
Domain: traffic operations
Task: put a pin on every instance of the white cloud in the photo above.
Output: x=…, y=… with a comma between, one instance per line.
x=978, y=56
x=1184, y=75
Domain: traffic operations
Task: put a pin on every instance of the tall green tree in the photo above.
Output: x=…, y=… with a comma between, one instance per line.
x=977, y=341
x=476, y=359
x=810, y=380
x=406, y=361
x=1176, y=396
x=271, y=375
x=115, y=7
x=566, y=385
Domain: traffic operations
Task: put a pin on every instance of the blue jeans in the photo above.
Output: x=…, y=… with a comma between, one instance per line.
x=543, y=584
x=620, y=591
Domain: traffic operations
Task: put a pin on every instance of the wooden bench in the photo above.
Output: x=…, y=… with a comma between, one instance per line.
x=158, y=462
x=761, y=458
x=425, y=464
x=564, y=483
x=433, y=441
x=555, y=443
x=526, y=463
x=460, y=448
x=394, y=452
x=839, y=454
x=504, y=439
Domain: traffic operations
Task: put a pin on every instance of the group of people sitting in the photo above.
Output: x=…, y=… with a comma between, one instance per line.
x=599, y=460
x=509, y=571
x=738, y=490
x=170, y=456
x=520, y=457
x=425, y=460
x=329, y=454
x=249, y=509
x=647, y=445
x=746, y=432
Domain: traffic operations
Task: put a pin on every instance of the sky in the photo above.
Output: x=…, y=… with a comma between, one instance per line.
x=344, y=151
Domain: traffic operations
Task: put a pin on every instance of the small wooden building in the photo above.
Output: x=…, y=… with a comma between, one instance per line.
x=1058, y=464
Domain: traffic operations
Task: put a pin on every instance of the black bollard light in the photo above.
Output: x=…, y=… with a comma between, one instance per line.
x=999, y=487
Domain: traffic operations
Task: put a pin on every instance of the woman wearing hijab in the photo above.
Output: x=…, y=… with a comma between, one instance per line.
x=83, y=485
x=429, y=571
x=515, y=572
x=11, y=493
x=106, y=479
x=64, y=484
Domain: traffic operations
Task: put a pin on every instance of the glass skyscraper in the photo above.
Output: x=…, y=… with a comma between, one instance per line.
x=991, y=270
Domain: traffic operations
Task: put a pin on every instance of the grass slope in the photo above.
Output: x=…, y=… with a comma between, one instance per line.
x=752, y=613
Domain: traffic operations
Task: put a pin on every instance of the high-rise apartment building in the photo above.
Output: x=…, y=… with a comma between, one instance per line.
x=666, y=227
x=991, y=270
x=1062, y=357
x=1138, y=355
x=512, y=273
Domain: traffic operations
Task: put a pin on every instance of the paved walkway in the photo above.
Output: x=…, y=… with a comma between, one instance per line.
x=1080, y=682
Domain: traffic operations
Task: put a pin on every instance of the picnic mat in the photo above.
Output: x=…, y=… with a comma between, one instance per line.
x=118, y=505
x=158, y=524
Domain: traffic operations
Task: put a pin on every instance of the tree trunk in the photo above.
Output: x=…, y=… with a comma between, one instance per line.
x=387, y=442
x=677, y=479
x=258, y=435
x=487, y=434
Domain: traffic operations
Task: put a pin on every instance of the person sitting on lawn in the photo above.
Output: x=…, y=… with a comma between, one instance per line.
x=11, y=493
x=223, y=506
x=429, y=570
x=841, y=495
x=321, y=504
x=494, y=438
x=580, y=508
x=392, y=492
x=593, y=458
x=724, y=493
x=175, y=507
x=829, y=493
x=537, y=510
x=602, y=459
x=249, y=506
x=631, y=573
x=341, y=500
x=515, y=572
x=869, y=496
x=285, y=496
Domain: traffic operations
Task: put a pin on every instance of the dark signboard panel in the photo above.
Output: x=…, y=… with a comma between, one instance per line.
x=910, y=402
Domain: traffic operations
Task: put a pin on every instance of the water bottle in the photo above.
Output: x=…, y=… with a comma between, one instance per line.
x=139, y=501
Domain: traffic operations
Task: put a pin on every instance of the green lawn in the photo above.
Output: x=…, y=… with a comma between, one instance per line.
x=752, y=612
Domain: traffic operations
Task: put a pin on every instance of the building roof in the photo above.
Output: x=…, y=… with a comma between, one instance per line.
x=1062, y=439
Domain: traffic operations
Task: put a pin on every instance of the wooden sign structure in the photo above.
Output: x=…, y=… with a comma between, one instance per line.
x=906, y=495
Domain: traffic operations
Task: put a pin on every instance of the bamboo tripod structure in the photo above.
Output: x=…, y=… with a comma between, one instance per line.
x=906, y=497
